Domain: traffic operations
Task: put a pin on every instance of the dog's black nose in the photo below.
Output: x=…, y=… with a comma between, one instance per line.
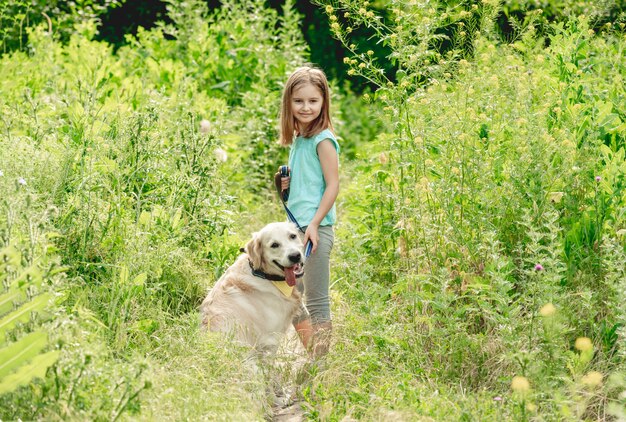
x=295, y=257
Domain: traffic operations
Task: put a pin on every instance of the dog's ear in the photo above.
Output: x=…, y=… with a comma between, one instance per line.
x=255, y=251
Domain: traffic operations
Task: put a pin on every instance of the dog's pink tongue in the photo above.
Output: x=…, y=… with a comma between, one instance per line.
x=290, y=276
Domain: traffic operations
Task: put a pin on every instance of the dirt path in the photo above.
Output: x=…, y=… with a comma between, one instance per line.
x=287, y=405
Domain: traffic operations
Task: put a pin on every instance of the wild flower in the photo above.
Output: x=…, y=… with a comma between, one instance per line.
x=592, y=378
x=520, y=384
x=583, y=344
x=1, y=173
x=21, y=181
x=220, y=155
x=205, y=126
x=547, y=310
x=538, y=267
x=598, y=178
x=329, y=9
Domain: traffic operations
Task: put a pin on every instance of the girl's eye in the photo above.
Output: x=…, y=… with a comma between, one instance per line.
x=274, y=245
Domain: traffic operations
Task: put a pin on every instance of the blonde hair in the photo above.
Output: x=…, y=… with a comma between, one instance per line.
x=288, y=124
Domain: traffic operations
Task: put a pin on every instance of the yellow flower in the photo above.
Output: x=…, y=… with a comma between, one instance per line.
x=592, y=378
x=362, y=65
x=329, y=9
x=520, y=384
x=583, y=344
x=547, y=310
x=370, y=52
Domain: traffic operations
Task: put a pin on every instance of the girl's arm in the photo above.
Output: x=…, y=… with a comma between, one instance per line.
x=330, y=168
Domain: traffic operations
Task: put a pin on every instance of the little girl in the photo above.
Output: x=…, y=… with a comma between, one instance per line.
x=313, y=184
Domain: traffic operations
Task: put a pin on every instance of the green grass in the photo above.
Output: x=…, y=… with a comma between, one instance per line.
x=475, y=190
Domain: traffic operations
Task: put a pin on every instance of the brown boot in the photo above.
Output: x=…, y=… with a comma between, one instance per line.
x=321, y=339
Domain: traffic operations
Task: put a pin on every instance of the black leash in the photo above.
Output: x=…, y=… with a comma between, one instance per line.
x=284, y=172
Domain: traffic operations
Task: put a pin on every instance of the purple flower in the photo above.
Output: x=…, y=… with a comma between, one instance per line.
x=21, y=181
x=497, y=398
x=538, y=267
x=598, y=178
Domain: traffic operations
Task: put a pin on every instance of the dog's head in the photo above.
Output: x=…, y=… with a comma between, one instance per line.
x=277, y=249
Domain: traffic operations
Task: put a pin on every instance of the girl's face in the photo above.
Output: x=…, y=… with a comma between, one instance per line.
x=306, y=104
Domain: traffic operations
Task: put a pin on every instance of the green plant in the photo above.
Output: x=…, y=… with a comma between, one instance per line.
x=28, y=269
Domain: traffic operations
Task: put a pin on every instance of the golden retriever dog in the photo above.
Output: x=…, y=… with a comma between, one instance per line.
x=255, y=299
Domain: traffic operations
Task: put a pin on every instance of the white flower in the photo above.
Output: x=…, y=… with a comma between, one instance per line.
x=21, y=181
x=205, y=126
x=1, y=173
x=220, y=155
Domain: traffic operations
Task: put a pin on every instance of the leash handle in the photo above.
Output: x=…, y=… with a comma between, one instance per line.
x=284, y=194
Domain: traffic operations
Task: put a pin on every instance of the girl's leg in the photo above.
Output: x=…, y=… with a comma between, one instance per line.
x=316, y=283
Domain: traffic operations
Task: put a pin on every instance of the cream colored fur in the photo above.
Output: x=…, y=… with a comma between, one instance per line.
x=252, y=308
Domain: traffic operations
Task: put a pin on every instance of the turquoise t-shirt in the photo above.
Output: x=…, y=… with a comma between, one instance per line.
x=307, y=183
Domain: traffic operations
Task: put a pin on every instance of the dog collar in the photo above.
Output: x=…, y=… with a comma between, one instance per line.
x=266, y=276
x=276, y=280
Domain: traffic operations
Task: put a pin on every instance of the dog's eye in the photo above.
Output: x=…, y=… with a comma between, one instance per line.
x=292, y=236
x=274, y=245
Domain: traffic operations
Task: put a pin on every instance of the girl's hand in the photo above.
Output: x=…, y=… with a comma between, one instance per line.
x=284, y=183
x=312, y=235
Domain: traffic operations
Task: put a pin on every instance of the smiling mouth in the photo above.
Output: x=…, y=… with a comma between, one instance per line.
x=291, y=273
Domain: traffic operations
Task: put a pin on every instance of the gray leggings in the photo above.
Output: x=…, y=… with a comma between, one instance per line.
x=316, y=281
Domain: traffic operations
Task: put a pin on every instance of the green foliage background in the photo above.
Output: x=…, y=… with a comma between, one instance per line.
x=479, y=266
